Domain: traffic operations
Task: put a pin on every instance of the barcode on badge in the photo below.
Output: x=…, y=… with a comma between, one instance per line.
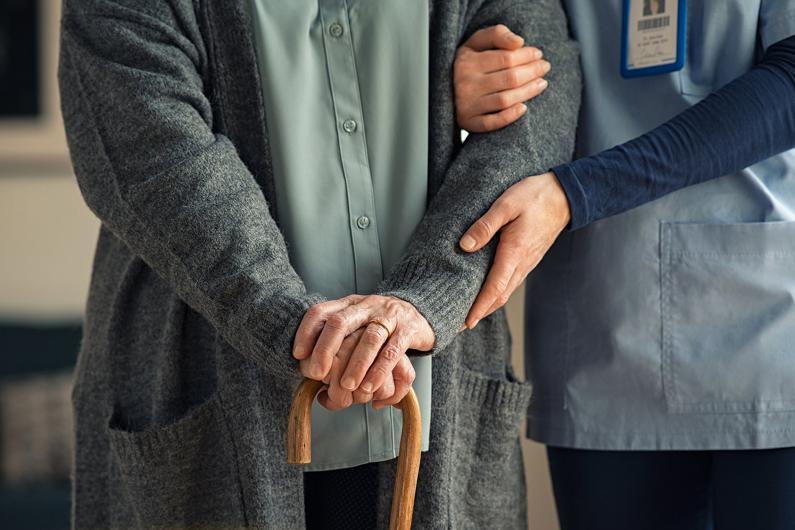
x=654, y=23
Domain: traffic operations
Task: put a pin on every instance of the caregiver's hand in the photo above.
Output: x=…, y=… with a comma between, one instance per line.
x=493, y=75
x=529, y=216
x=389, y=327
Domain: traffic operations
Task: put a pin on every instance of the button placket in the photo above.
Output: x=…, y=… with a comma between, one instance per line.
x=351, y=136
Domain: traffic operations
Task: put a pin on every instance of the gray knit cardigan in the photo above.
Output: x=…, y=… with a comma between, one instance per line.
x=185, y=375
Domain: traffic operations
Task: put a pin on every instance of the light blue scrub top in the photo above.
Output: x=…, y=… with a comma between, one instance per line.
x=345, y=86
x=671, y=326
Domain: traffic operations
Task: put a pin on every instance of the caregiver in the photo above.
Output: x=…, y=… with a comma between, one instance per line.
x=661, y=341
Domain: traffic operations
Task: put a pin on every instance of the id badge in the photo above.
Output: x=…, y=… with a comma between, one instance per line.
x=653, y=37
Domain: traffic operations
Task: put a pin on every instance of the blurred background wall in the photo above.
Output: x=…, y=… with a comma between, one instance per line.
x=47, y=240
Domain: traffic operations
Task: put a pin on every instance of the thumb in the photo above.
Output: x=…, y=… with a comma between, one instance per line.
x=494, y=37
x=485, y=228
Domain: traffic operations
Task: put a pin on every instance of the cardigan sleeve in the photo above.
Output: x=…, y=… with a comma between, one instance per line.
x=149, y=165
x=434, y=275
x=748, y=120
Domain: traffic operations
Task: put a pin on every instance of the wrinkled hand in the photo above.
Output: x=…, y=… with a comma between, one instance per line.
x=529, y=216
x=334, y=397
x=493, y=75
x=358, y=346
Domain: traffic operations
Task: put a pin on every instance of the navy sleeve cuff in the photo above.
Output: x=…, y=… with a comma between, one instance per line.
x=578, y=199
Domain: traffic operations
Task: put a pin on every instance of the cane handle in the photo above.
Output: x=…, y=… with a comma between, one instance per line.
x=299, y=447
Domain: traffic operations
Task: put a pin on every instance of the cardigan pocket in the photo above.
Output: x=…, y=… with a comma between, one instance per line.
x=728, y=317
x=182, y=475
x=487, y=455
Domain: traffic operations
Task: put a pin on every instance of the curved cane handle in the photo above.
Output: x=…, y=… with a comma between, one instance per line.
x=299, y=447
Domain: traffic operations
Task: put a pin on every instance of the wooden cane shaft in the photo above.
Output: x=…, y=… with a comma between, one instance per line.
x=408, y=464
x=299, y=426
x=299, y=447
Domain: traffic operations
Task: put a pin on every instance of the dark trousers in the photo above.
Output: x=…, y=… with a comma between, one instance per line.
x=676, y=490
x=342, y=499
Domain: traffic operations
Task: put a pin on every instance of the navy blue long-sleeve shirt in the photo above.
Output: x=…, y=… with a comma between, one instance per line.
x=744, y=122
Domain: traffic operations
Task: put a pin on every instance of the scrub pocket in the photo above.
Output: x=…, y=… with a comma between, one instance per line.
x=489, y=488
x=728, y=317
x=182, y=475
x=689, y=87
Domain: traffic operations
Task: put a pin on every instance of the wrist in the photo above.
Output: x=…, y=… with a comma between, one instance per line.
x=558, y=200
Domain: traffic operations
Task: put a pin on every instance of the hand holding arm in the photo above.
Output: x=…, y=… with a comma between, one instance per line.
x=493, y=76
x=529, y=217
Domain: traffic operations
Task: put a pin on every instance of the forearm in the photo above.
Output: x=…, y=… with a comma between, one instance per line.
x=178, y=195
x=748, y=120
x=434, y=274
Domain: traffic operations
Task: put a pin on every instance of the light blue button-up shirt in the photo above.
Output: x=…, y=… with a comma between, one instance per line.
x=345, y=84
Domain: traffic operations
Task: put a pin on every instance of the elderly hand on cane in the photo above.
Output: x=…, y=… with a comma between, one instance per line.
x=357, y=345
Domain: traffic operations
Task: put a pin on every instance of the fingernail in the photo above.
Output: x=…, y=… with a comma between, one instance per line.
x=547, y=66
x=298, y=353
x=524, y=109
x=474, y=324
x=367, y=387
x=467, y=242
x=542, y=84
x=462, y=328
x=538, y=54
x=316, y=370
x=348, y=383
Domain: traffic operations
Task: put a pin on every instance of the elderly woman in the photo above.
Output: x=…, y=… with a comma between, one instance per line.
x=242, y=155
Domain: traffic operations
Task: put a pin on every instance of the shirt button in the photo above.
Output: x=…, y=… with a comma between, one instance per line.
x=349, y=126
x=336, y=30
x=363, y=222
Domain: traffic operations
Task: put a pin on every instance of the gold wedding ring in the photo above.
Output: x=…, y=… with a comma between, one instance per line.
x=379, y=323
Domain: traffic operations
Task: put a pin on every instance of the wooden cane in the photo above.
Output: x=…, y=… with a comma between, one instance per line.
x=299, y=447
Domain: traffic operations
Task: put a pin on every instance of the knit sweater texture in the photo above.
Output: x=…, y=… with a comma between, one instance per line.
x=185, y=374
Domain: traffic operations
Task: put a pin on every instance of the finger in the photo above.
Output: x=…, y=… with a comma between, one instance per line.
x=325, y=401
x=386, y=390
x=498, y=36
x=505, y=263
x=491, y=122
x=403, y=375
x=336, y=392
x=313, y=322
x=337, y=326
x=508, y=98
x=387, y=359
x=373, y=338
x=515, y=281
x=484, y=229
x=498, y=60
x=336, y=398
x=360, y=397
x=516, y=77
x=526, y=261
